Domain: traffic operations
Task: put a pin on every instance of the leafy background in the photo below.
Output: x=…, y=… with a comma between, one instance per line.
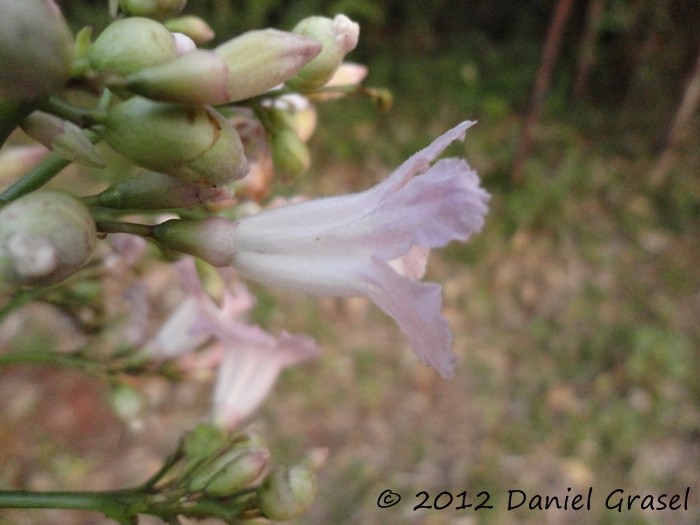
x=575, y=312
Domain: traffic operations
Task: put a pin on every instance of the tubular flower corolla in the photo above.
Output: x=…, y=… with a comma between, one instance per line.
x=374, y=244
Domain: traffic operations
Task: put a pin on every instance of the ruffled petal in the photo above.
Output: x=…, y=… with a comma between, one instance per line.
x=334, y=211
x=444, y=204
x=416, y=309
x=420, y=161
x=351, y=245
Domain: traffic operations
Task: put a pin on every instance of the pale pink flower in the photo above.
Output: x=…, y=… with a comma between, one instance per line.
x=251, y=364
x=249, y=359
x=352, y=245
x=198, y=317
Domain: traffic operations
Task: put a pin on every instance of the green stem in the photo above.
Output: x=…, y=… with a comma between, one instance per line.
x=169, y=463
x=51, y=358
x=144, y=230
x=347, y=89
x=46, y=170
x=81, y=116
x=10, y=116
x=121, y=506
x=91, y=201
x=256, y=99
x=19, y=299
x=42, y=173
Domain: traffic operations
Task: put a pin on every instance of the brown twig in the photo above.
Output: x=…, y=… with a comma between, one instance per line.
x=550, y=53
x=588, y=47
x=677, y=132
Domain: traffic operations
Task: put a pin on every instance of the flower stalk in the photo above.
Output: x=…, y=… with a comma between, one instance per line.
x=118, y=505
x=42, y=173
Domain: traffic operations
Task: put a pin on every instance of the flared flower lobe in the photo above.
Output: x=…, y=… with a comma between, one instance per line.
x=375, y=243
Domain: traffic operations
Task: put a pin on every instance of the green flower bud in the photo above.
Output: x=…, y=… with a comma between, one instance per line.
x=287, y=493
x=195, y=144
x=126, y=401
x=192, y=26
x=213, y=284
x=158, y=9
x=83, y=40
x=63, y=138
x=155, y=191
x=315, y=458
x=200, y=445
x=290, y=154
x=248, y=438
x=35, y=49
x=131, y=44
x=45, y=237
x=203, y=475
x=339, y=36
x=241, y=68
x=209, y=239
x=382, y=97
x=238, y=473
x=203, y=441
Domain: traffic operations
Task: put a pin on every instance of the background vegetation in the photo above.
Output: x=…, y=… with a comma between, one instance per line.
x=575, y=312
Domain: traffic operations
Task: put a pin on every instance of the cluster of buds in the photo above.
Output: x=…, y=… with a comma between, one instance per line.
x=231, y=475
x=158, y=97
x=199, y=125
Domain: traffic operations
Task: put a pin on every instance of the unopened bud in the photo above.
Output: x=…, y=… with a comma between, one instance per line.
x=238, y=473
x=126, y=401
x=155, y=191
x=195, y=144
x=83, y=40
x=348, y=74
x=44, y=238
x=200, y=445
x=296, y=112
x=382, y=97
x=290, y=154
x=315, y=458
x=210, y=239
x=158, y=9
x=305, y=122
x=192, y=26
x=131, y=44
x=207, y=470
x=213, y=284
x=63, y=138
x=255, y=185
x=287, y=493
x=203, y=441
x=183, y=44
x=339, y=36
x=35, y=49
x=248, y=65
x=248, y=438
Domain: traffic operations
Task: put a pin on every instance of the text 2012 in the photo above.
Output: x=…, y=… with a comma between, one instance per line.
x=441, y=501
